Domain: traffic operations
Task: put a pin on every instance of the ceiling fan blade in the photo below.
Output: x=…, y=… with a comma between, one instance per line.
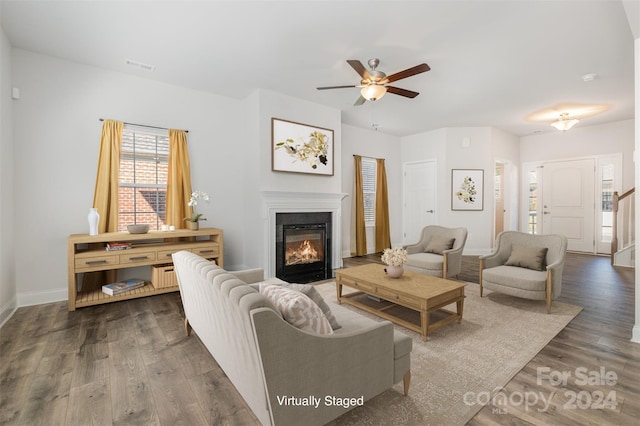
x=335, y=87
x=360, y=101
x=407, y=73
x=360, y=69
x=402, y=92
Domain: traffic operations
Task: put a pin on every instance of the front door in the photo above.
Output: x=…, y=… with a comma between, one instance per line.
x=568, y=202
x=419, y=199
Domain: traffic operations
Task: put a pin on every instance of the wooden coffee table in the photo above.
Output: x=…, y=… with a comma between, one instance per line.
x=422, y=293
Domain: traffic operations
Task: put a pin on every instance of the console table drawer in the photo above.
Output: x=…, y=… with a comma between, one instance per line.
x=93, y=262
x=398, y=298
x=166, y=254
x=141, y=257
x=207, y=250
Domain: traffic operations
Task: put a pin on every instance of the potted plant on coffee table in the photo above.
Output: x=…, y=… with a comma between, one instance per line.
x=394, y=258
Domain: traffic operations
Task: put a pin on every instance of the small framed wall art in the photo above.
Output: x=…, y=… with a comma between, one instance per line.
x=467, y=189
x=301, y=148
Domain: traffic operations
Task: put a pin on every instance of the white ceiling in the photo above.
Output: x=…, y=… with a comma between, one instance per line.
x=493, y=63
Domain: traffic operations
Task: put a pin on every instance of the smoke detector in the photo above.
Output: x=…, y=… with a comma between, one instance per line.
x=141, y=65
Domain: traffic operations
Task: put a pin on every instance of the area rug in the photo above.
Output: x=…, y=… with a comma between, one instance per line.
x=497, y=337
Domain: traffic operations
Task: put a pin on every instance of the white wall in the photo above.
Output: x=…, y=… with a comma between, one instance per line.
x=56, y=138
x=57, y=134
x=8, y=296
x=447, y=148
x=262, y=106
x=584, y=140
x=375, y=144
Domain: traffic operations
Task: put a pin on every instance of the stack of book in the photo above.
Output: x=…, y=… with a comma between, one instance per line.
x=122, y=286
x=118, y=246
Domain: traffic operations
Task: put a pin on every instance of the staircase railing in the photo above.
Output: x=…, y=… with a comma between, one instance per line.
x=623, y=235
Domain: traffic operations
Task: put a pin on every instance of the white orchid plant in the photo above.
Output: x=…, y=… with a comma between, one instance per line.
x=394, y=256
x=193, y=202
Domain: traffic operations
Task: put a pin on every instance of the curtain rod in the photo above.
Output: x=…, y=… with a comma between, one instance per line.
x=366, y=156
x=143, y=125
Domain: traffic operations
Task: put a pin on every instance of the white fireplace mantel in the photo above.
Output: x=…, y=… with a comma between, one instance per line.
x=291, y=202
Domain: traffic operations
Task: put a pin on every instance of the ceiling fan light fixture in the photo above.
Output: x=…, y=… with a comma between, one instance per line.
x=564, y=123
x=373, y=92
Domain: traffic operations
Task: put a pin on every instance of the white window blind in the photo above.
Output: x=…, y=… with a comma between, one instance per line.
x=142, y=193
x=369, y=167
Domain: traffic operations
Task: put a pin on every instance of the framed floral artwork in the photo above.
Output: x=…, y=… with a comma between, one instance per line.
x=467, y=189
x=301, y=148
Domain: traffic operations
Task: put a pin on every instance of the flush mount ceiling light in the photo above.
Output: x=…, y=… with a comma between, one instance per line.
x=564, y=123
x=373, y=92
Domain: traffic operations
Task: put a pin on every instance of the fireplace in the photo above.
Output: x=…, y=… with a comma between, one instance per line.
x=303, y=246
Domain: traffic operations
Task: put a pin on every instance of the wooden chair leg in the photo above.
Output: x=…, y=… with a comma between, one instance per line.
x=187, y=327
x=406, y=381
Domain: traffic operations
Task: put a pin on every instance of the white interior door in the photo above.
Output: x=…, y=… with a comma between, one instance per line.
x=419, y=192
x=568, y=202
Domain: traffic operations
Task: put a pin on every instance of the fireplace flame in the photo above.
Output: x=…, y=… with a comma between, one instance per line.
x=305, y=253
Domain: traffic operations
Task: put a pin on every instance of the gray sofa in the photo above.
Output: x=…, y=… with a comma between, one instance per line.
x=273, y=364
x=525, y=265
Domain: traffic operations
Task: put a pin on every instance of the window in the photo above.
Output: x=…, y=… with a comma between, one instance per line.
x=142, y=192
x=533, y=202
x=369, y=168
x=606, y=188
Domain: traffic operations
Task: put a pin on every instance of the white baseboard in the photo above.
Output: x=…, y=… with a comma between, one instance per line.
x=31, y=298
x=635, y=334
x=7, y=310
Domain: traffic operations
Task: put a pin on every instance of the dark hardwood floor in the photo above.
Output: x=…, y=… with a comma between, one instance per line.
x=596, y=341
x=130, y=363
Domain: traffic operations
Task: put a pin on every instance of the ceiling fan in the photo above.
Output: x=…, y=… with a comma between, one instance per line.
x=373, y=85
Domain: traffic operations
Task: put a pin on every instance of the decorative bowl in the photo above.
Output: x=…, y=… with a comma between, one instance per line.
x=141, y=228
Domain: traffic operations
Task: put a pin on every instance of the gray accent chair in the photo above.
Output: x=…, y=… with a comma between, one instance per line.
x=498, y=273
x=445, y=265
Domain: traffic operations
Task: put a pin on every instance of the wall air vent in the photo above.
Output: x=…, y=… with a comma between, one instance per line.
x=141, y=65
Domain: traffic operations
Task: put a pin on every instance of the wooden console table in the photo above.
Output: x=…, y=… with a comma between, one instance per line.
x=88, y=254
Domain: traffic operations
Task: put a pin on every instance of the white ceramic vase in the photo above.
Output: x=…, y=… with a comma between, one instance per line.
x=94, y=219
x=394, y=271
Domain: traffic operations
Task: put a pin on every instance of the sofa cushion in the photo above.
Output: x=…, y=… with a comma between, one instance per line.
x=513, y=276
x=297, y=309
x=313, y=294
x=308, y=290
x=439, y=243
x=527, y=257
x=429, y=261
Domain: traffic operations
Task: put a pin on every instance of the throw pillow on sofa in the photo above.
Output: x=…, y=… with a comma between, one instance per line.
x=297, y=309
x=314, y=294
